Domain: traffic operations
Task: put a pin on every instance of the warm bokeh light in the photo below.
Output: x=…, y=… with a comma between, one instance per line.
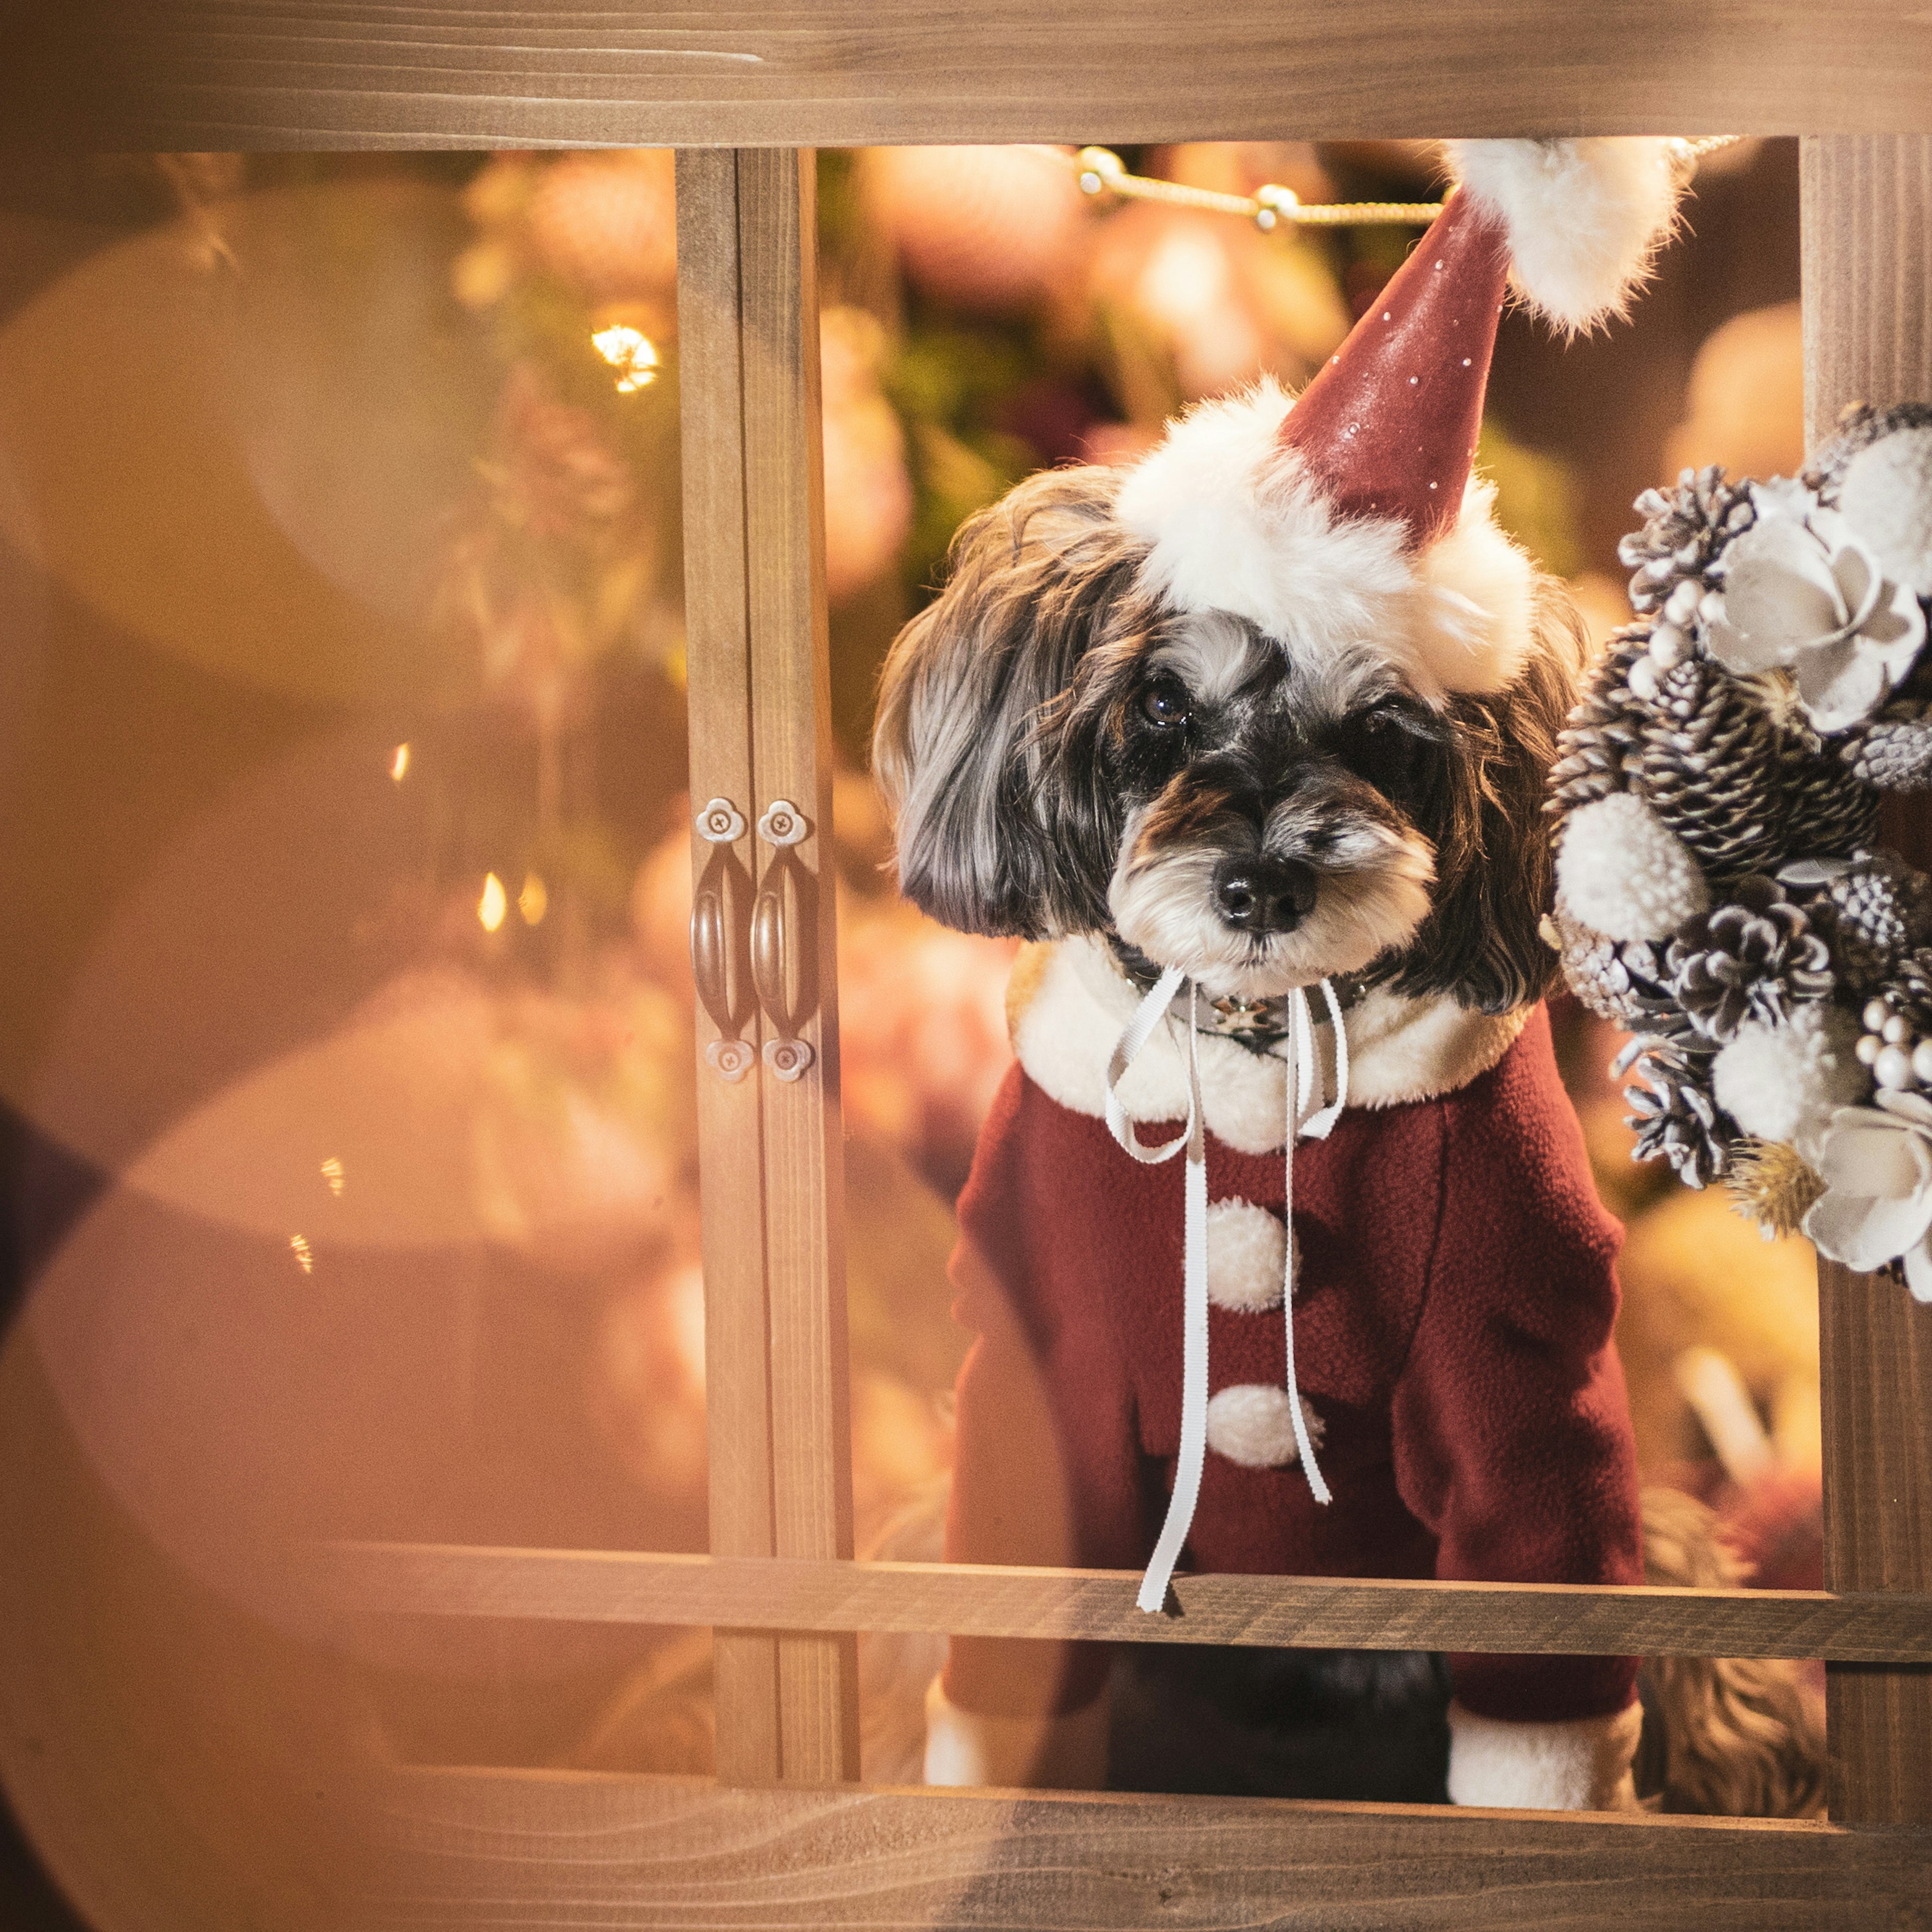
x=304, y=1255
x=533, y=901
x=332, y=1173
x=631, y=353
x=399, y=764
x=491, y=907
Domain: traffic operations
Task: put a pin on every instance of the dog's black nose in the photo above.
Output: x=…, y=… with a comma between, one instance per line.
x=1263, y=895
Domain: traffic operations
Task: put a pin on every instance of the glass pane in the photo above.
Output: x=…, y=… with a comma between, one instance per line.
x=346, y=1056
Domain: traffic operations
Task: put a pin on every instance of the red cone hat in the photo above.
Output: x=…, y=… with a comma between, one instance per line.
x=1388, y=427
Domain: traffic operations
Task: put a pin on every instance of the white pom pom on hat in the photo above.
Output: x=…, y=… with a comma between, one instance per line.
x=1623, y=872
x=1584, y=218
x=1784, y=1081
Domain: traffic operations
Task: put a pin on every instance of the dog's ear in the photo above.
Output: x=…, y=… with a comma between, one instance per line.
x=1483, y=944
x=968, y=749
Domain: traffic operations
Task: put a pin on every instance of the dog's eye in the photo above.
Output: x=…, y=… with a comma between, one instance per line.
x=1165, y=703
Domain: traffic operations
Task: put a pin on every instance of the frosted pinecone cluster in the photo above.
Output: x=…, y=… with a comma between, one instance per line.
x=1675, y=559
x=1717, y=789
x=1672, y=1109
x=1752, y=958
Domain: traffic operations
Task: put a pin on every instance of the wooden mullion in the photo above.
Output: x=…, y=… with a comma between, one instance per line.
x=792, y=749
x=718, y=657
x=550, y=1851
x=1867, y=267
x=1326, y=1613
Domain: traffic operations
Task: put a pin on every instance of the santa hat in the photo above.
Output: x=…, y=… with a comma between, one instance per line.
x=1350, y=519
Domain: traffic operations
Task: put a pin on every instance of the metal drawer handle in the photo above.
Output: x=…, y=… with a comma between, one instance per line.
x=780, y=972
x=718, y=967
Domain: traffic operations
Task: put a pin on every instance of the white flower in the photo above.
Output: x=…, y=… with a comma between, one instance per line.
x=1803, y=593
x=1876, y=1165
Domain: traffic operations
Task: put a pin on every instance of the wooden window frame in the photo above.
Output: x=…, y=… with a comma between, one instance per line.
x=783, y=1834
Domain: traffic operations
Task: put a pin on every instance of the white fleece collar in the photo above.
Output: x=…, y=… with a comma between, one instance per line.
x=1067, y=1003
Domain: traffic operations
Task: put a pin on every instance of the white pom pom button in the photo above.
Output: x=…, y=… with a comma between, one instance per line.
x=1247, y=1259
x=1250, y=1424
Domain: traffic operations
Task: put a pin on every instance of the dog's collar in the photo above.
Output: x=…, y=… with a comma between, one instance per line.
x=1067, y=1002
x=1259, y=1025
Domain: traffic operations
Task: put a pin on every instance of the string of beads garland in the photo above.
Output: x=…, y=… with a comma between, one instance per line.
x=1101, y=171
x=1720, y=894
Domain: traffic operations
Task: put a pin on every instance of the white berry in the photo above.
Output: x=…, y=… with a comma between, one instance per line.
x=1893, y=1067
x=1867, y=1048
x=1876, y=1014
x=1896, y=1030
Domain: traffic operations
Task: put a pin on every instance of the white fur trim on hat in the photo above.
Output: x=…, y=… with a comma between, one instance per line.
x=1235, y=524
x=1250, y=1424
x=1247, y=1257
x=1065, y=1752
x=1585, y=218
x=1067, y=1002
x=1581, y=1765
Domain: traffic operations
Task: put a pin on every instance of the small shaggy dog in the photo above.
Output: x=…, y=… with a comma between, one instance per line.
x=1271, y=711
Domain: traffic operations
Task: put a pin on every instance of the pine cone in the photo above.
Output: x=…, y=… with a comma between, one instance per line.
x=1684, y=530
x=1602, y=729
x=1858, y=428
x=1674, y=1114
x=1828, y=811
x=1751, y=958
x=1883, y=908
x=1708, y=763
x=1622, y=982
x=1894, y=750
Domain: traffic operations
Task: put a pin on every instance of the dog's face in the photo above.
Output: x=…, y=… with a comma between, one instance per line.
x=1275, y=815
x=1068, y=753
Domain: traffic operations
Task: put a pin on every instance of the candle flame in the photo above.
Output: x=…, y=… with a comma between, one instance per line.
x=494, y=903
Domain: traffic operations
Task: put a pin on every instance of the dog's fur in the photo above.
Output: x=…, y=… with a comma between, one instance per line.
x=1035, y=795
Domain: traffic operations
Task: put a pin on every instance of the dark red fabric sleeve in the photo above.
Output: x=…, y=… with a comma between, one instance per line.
x=1512, y=1431
x=1047, y=1469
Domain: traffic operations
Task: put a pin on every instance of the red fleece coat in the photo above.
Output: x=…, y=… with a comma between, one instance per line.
x=1453, y=1315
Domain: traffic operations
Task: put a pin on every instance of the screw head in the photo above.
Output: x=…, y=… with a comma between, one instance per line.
x=719, y=820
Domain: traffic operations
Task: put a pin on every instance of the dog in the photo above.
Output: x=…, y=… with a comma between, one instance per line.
x=1272, y=711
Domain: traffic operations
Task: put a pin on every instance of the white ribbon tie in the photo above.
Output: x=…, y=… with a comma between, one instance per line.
x=1303, y=1080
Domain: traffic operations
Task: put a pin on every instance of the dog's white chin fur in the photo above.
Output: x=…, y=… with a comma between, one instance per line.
x=1164, y=909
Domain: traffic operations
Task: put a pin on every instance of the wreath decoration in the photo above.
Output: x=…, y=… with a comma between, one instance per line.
x=1721, y=893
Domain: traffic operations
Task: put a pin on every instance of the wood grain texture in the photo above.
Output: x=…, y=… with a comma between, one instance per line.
x=791, y=738
x=568, y=1853
x=608, y=1586
x=320, y=73
x=1868, y=270
x=1875, y=1357
x=718, y=657
x=1868, y=288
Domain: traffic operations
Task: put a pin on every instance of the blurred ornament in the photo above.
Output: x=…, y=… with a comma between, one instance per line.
x=868, y=496
x=646, y=1382
x=1745, y=400
x=607, y=222
x=923, y=1041
x=629, y=352
x=582, y=1131
x=1219, y=303
x=989, y=228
